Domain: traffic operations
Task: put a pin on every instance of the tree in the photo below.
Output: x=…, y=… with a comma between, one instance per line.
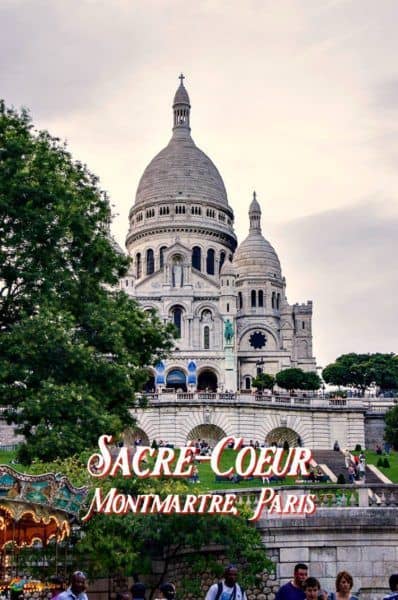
x=73, y=351
x=290, y=379
x=54, y=225
x=361, y=370
x=391, y=428
x=312, y=381
x=129, y=543
x=264, y=381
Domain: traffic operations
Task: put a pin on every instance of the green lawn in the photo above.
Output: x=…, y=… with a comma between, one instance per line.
x=372, y=459
x=208, y=478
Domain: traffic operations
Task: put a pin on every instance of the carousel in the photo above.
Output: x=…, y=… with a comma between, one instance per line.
x=34, y=509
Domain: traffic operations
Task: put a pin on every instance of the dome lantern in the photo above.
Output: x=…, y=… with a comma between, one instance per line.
x=255, y=214
x=181, y=108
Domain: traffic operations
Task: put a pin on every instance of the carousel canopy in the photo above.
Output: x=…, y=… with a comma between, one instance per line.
x=36, y=507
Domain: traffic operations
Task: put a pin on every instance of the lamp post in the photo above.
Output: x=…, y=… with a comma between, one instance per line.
x=259, y=364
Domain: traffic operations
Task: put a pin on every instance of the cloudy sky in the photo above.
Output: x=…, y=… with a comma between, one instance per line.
x=295, y=99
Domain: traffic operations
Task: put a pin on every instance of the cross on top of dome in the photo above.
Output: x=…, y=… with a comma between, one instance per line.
x=181, y=107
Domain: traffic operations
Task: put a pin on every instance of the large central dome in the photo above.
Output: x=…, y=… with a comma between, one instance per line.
x=181, y=169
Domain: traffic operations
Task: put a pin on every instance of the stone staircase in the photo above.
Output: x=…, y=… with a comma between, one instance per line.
x=335, y=462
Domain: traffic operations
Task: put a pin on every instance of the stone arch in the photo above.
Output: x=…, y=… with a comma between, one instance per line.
x=202, y=306
x=283, y=434
x=210, y=433
x=279, y=420
x=258, y=327
x=132, y=434
x=149, y=385
x=176, y=378
x=207, y=379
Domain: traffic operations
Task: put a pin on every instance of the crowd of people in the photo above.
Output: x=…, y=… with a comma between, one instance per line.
x=301, y=587
x=356, y=466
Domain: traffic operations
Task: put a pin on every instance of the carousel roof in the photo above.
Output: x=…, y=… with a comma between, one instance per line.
x=36, y=507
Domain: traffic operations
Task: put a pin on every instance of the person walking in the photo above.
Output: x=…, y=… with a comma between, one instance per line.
x=167, y=591
x=293, y=590
x=393, y=582
x=77, y=588
x=228, y=588
x=344, y=584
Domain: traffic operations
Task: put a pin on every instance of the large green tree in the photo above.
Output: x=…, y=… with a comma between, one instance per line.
x=54, y=225
x=72, y=350
x=360, y=370
x=297, y=379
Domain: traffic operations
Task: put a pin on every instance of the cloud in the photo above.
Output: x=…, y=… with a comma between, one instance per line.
x=56, y=59
x=344, y=260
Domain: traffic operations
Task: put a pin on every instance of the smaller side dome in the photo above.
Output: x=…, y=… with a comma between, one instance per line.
x=228, y=269
x=255, y=257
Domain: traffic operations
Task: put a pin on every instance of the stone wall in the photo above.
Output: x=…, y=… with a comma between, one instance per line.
x=374, y=429
x=362, y=541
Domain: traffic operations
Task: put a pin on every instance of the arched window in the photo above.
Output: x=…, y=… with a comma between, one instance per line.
x=248, y=383
x=161, y=256
x=150, y=262
x=138, y=265
x=278, y=300
x=210, y=262
x=177, y=320
x=240, y=299
x=222, y=259
x=196, y=258
x=260, y=298
x=253, y=298
x=206, y=337
x=273, y=300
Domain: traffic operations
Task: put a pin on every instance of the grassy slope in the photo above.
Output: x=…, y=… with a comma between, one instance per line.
x=208, y=478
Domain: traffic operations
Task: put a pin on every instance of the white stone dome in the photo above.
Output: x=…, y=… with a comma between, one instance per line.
x=181, y=170
x=228, y=268
x=255, y=256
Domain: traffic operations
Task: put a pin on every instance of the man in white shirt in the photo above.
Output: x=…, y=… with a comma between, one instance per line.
x=77, y=588
x=228, y=588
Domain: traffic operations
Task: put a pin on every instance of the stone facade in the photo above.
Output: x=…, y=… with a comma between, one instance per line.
x=228, y=302
x=316, y=423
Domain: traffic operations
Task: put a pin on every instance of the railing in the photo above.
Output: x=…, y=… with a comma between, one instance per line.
x=263, y=399
x=330, y=496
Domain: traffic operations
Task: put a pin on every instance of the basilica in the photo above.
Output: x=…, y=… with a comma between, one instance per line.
x=227, y=300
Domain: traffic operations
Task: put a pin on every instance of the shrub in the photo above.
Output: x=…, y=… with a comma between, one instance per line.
x=341, y=479
x=386, y=463
x=358, y=448
x=380, y=462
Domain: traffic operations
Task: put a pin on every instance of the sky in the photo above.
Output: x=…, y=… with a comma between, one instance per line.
x=295, y=99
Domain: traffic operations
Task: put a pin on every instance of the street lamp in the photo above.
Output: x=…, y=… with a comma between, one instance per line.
x=259, y=364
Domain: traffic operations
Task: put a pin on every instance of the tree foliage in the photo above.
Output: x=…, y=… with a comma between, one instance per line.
x=361, y=370
x=130, y=543
x=72, y=350
x=391, y=427
x=297, y=379
x=264, y=381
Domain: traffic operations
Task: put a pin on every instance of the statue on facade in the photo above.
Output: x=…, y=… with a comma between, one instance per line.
x=228, y=331
x=177, y=274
